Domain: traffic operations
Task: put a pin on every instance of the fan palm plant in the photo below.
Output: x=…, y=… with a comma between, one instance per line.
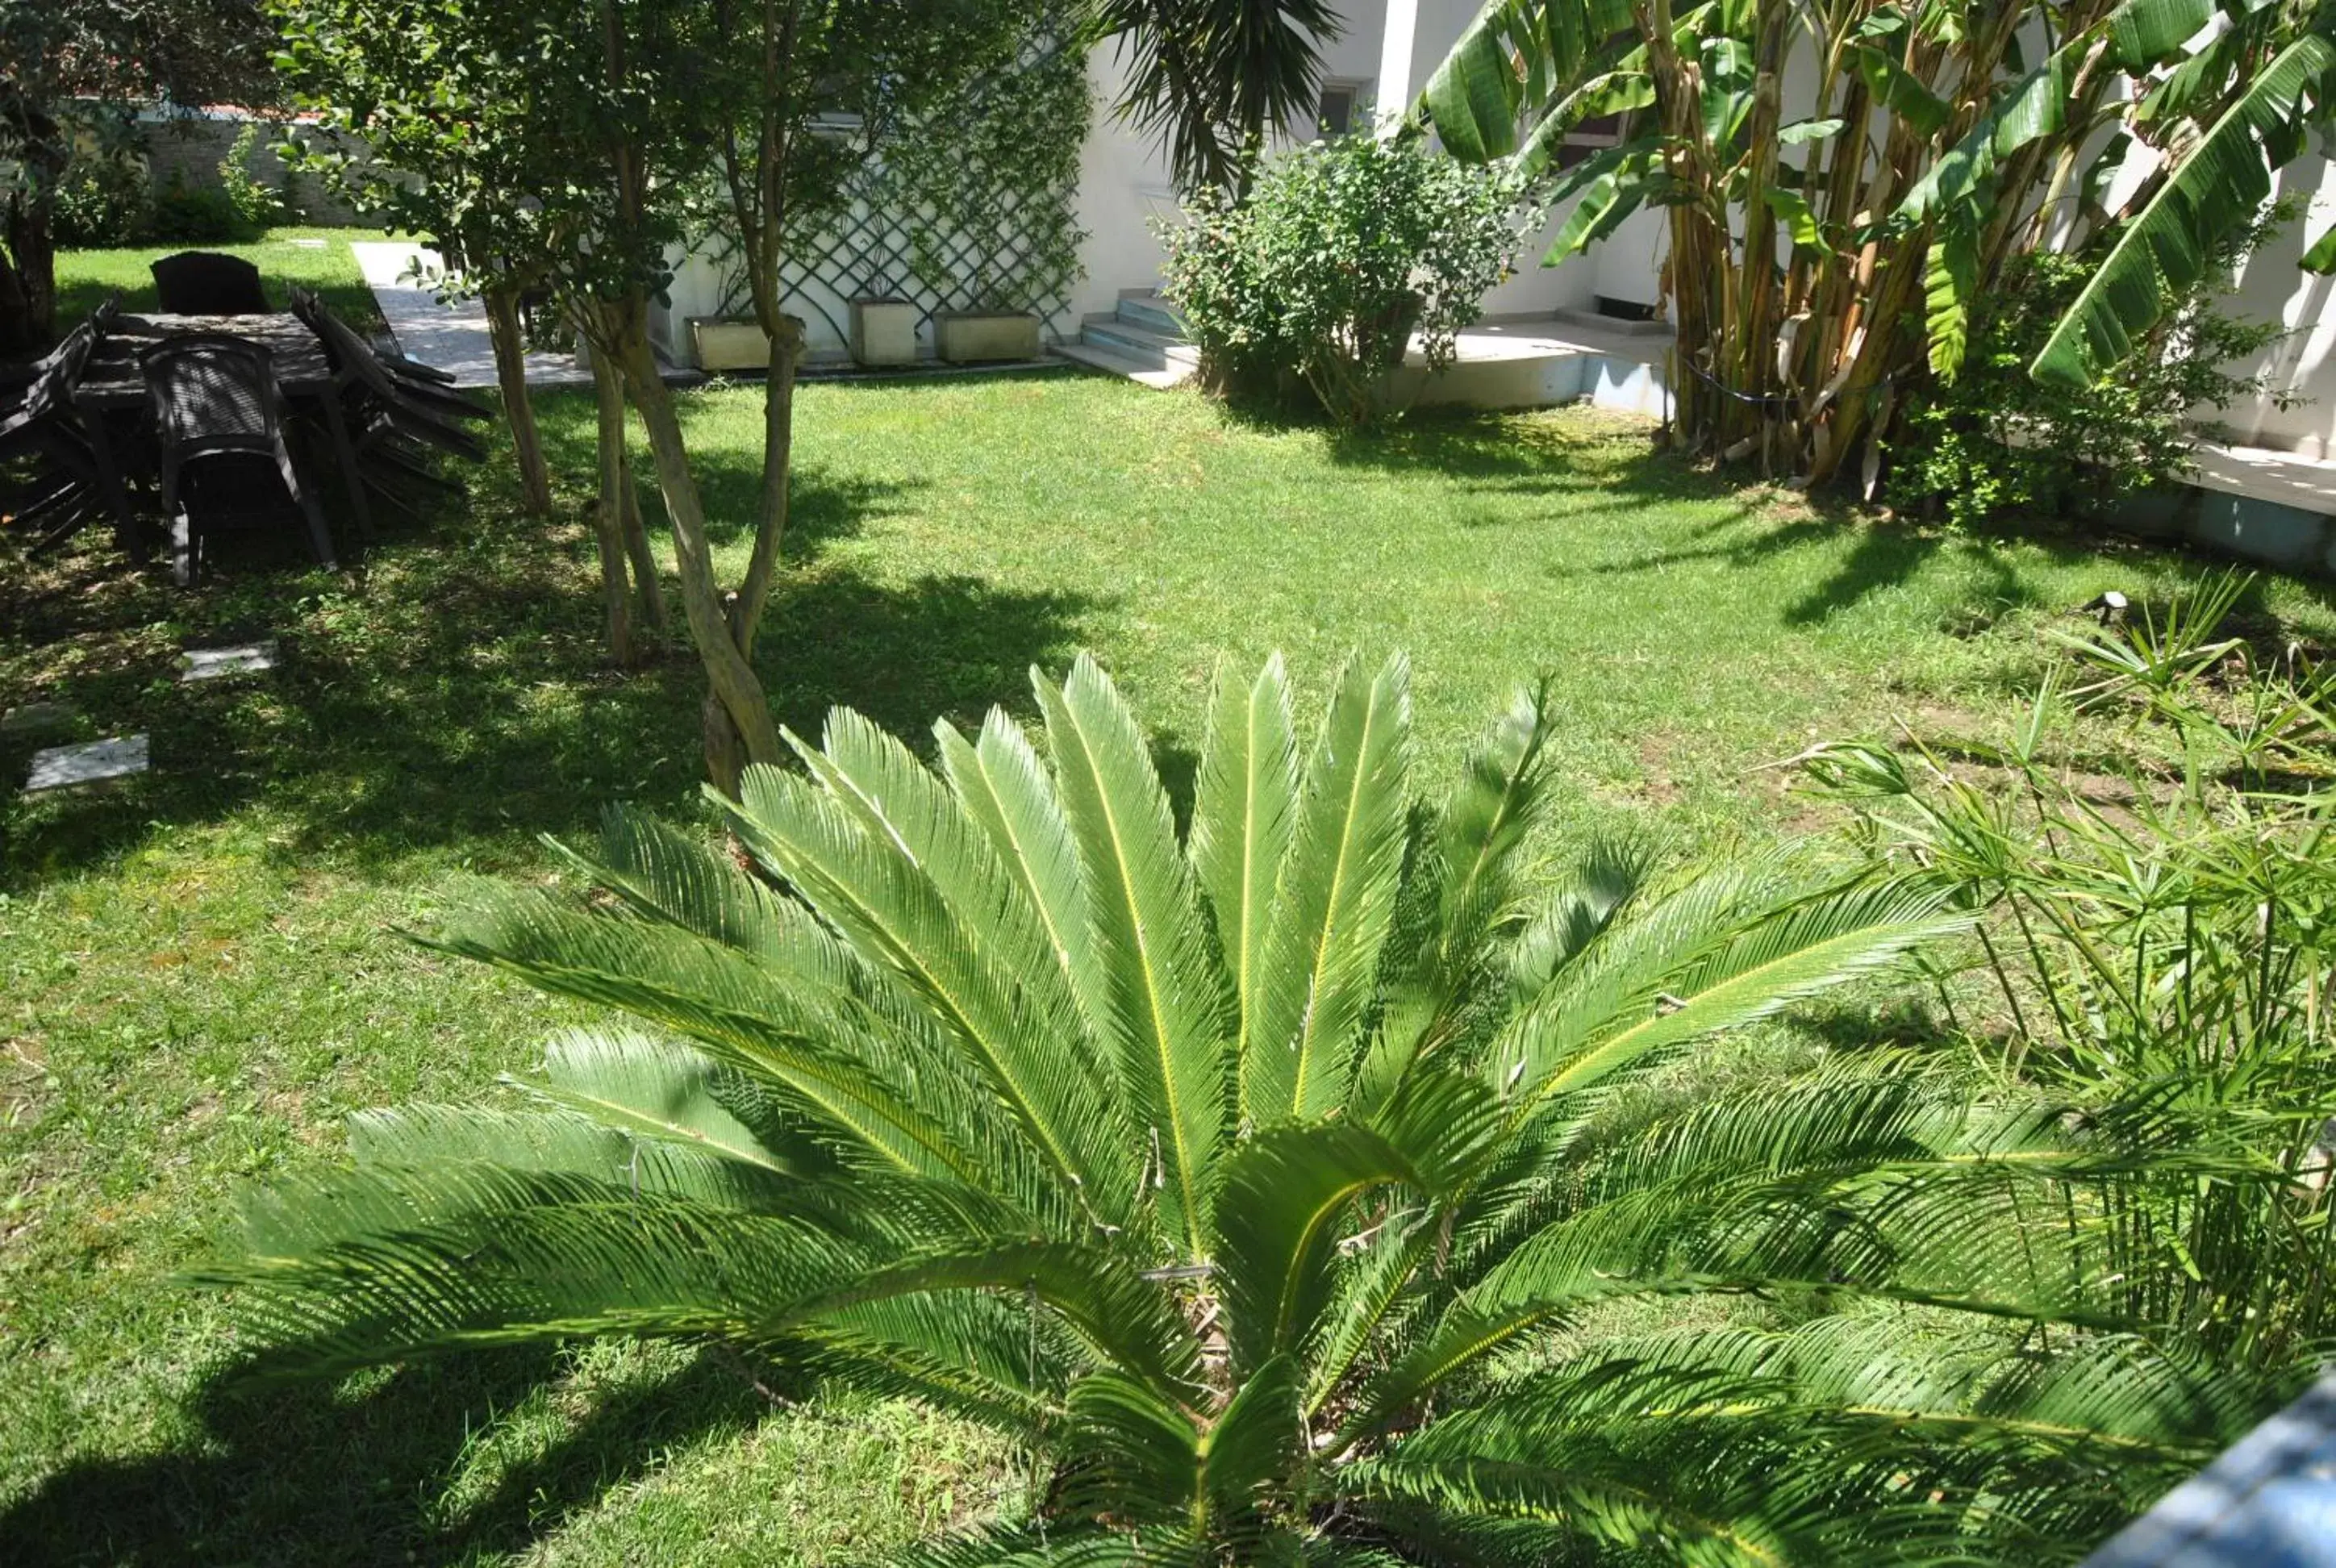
x=1268, y=1183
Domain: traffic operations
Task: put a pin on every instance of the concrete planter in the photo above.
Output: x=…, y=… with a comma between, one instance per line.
x=964, y=337
x=723, y=342
x=884, y=331
x=726, y=344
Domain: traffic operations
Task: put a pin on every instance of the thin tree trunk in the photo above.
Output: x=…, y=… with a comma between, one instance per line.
x=778, y=460
x=648, y=596
x=28, y=277
x=738, y=728
x=511, y=375
x=609, y=512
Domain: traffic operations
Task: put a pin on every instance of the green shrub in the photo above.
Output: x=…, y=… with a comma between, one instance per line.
x=1994, y=440
x=1338, y=254
x=186, y=214
x=255, y=203
x=102, y=200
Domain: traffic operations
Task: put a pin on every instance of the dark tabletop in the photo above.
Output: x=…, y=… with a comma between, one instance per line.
x=112, y=378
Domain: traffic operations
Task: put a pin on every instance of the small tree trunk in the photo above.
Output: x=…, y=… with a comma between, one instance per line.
x=738, y=725
x=778, y=461
x=28, y=276
x=609, y=512
x=511, y=374
x=648, y=596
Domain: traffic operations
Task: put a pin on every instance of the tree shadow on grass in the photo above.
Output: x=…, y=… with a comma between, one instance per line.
x=309, y=1474
x=457, y=696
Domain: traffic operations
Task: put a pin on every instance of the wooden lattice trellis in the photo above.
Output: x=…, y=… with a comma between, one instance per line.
x=957, y=223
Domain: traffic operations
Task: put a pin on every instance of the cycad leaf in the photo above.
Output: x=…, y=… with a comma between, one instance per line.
x=1167, y=1001
x=1283, y=1194
x=1336, y=900
x=1467, y=873
x=667, y=1092
x=1248, y=1449
x=1139, y=1461
x=1007, y=790
x=936, y=902
x=2167, y=247
x=1242, y=816
x=1794, y=954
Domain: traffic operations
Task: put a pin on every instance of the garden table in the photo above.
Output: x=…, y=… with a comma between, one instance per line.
x=114, y=381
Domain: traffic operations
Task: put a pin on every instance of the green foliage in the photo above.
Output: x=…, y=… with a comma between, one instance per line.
x=991, y=172
x=102, y=200
x=1937, y=150
x=185, y=214
x=978, y=1086
x=2165, y=942
x=1212, y=80
x=1993, y=440
x=1338, y=255
x=254, y=202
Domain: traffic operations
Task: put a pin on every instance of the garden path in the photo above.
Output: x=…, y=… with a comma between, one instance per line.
x=451, y=337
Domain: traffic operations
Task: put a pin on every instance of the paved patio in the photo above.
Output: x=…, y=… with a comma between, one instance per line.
x=451, y=337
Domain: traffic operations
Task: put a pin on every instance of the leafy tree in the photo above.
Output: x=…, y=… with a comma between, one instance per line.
x=1211, y=78
x=1939, y=141
x=63, y=65
x=434, y=118
x=1269, y=1182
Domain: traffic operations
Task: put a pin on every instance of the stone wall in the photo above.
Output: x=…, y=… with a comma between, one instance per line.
x=191, y=150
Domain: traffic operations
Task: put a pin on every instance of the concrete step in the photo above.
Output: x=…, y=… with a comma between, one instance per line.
x=1154, y=348
x=1585, y=318
x=1159, y=376
x=1147, y=308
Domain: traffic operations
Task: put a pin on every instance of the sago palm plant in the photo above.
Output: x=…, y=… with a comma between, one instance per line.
x=1282, y=1186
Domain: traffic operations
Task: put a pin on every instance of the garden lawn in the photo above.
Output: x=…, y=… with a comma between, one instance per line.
x=318, y=258
x=204, y=972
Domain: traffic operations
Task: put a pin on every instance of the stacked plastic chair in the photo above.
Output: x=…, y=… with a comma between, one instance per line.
x=397, y=412
x=41, y=422
x=219, y=428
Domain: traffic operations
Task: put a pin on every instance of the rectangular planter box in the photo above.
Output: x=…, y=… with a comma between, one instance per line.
x=884, y=331
x=961, y=338
x=723, y=345
x=726, y=343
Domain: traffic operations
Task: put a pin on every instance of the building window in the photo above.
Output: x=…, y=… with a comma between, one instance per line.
x=1340, y=107
x=1593, y=135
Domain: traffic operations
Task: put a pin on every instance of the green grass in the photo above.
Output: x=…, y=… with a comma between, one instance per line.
x=84, y=277
x=202, y=971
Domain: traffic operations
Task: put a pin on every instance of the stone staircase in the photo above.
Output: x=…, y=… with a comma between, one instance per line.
x=1142, y=340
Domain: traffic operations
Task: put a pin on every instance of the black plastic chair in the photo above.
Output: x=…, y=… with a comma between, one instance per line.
x=206, y=283
x=214, y=399
x=42, y=422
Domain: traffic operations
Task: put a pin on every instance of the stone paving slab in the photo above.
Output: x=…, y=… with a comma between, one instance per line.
x=242, y=659
x=116, y=756
x=34, y=717
x=453, y=337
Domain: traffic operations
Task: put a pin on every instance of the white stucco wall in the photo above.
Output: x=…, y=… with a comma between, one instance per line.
x=2274, y=287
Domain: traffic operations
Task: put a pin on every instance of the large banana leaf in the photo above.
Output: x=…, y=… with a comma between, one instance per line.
x=2221, y=185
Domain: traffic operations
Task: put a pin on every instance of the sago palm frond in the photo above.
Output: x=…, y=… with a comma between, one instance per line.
x=1271, y=1185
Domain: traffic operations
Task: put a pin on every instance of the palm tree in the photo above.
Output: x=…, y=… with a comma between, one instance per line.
x=1286, y=1189
x=1211, y=79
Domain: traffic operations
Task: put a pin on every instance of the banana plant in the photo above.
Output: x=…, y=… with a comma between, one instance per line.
x=1311, y=1185
x=1926, y=143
